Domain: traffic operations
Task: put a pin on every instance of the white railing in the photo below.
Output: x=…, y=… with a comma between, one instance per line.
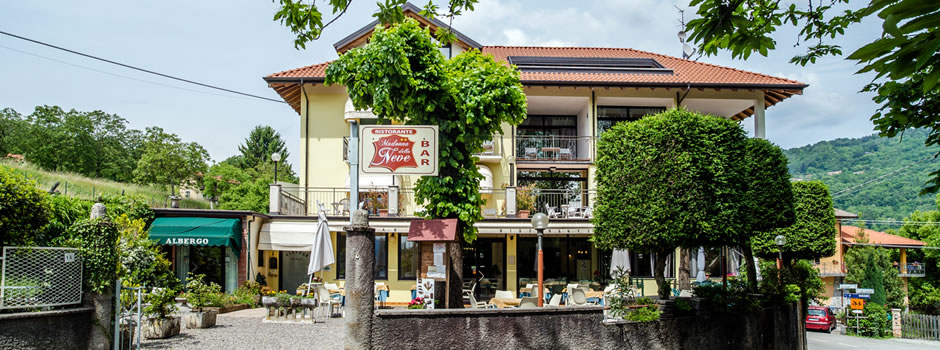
x=32, y=277
x=554, y=148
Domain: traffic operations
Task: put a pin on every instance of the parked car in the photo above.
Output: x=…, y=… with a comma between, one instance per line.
x=820, y=318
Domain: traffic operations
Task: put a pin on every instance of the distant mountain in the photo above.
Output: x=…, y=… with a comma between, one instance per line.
x=845, y=163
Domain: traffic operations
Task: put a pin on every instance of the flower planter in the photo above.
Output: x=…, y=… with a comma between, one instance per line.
x=161, y=328
x=308, y=303
x=268, y=301
x=524, y=214
x=383, y=212
x=201, y=319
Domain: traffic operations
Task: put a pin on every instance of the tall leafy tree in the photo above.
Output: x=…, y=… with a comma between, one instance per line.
x=769, y=196
x=11, y=128
x=673, y=179
x=402, y=76
x=167, y=160
x=904, y=57
x=305, y=19
x=812, y=235
x=262, y=142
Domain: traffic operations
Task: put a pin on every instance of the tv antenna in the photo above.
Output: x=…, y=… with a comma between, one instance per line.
x=687, y=50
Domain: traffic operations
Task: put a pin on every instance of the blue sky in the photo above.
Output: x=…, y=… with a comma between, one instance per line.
x=233, y=44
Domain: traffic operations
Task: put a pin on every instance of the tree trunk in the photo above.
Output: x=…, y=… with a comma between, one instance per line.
x=751, y=268
x=455, y=272
x=684, y=277
x=664, y=290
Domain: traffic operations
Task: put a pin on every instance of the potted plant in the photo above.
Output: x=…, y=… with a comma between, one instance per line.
x=267, y=297
x=525, y=200
x=160, y=322
x=416, y=303
x=200, y=295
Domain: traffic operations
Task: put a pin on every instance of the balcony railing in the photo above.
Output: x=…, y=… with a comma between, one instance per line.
x=398, y=201
x=492, y=148
x=913, y=270
x=830, y=270
x=554, y=148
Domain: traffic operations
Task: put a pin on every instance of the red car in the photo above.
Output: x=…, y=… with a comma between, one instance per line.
x=820, y=318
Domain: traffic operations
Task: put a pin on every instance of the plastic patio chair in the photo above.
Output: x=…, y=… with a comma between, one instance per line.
x=529, y=302
x=474, y=304
x=504, y=294
x=330, y=301
x=531, y=153
x=577, y=298
x=556, y=300
x=551, y=211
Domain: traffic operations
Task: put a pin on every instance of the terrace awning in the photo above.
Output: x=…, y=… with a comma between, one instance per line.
x=197, y=231
x=287, y=236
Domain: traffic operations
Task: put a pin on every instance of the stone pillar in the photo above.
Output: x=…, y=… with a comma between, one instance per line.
x=896, y=322
x=760, y=127
x=102, y=317
x=360, y=281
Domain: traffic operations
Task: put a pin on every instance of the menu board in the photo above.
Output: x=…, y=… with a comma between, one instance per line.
x=425, y=291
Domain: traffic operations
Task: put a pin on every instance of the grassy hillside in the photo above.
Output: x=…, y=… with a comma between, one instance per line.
x=845, y=163
x=76, y=185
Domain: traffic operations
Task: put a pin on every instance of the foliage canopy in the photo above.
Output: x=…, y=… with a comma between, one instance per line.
x=402, y=76
x=24, y=210
x=812, y=235
x=673, y=179
x=904, y=58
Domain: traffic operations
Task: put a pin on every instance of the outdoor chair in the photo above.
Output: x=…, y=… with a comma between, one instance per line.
x=474, y=304
x=588, y=212
x=568, y=290
x=529, y=302
x=504, y=294
x=330, y=301
x=344, y=205
x=556, y=300
x=551, y=211
x=577, y=298
x=531, y=153
x=565, y=153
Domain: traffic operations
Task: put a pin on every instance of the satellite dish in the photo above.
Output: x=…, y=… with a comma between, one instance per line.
x=687, y=50
x=682, y=36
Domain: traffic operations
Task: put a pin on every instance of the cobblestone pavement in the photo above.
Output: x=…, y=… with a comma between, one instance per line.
x=244, y=330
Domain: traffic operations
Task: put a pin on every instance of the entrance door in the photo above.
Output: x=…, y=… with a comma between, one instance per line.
x=486, y=259
x=293, y=270
x=209, y=261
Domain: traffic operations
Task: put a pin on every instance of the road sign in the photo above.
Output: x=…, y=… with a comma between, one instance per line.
x=858, y=304
x=865, y=291
x=857, y=296
x=856, y=312
x=848, y=286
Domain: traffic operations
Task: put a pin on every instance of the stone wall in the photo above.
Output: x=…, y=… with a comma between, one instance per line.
x=60, y=329
x=583, y=328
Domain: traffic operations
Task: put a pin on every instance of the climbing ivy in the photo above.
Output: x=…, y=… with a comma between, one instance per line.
x=403, y=77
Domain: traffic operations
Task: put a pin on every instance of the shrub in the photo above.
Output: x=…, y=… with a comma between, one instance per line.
x=141, y=260
x=733, y=298
x=200, y=295
x=800, y=282
x=622, y=296
x=97, y=240
x=650, y=312
x=875, y=324
x=162, y=303
x=682, y=307
x=24, y=211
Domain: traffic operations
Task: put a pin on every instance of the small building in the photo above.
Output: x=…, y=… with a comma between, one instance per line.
x=216, y=243
x=832, y=269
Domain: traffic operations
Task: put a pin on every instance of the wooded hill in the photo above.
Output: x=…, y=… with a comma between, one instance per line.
x=845, y=163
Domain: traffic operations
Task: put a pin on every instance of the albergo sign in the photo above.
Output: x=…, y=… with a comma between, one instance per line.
x=399, y=150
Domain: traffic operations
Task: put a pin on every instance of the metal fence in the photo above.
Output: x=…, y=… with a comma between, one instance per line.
x=32, y=277
x=920, y=326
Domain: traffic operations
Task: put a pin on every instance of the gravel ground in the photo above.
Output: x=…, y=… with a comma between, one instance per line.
x=244, y=330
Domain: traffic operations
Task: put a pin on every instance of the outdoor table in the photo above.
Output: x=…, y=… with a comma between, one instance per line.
x=503, y=303
x=338, y=291
x=555, y=150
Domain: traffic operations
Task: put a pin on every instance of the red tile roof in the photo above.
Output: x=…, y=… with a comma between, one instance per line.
x=316, y=71
x=849, y=235
x=684, y=71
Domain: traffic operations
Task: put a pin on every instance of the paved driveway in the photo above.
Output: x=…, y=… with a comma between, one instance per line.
x=244, y=330
x=836, y=341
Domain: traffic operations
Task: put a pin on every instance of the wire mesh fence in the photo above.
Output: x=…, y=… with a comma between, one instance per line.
x=32, y=277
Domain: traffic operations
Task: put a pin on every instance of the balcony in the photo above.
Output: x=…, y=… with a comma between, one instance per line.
x=912, y=270
x=555, y=148
x=492, y=150
x=394, y=201
x=830, y=270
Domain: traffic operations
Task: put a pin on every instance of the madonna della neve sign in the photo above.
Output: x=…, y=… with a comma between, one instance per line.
x=399, y=150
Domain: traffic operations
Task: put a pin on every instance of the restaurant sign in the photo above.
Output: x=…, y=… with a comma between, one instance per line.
x=399, y=150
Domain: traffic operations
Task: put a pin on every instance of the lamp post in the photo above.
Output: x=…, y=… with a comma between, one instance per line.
x=780, y=241
x=276, y=157
x=540, y=222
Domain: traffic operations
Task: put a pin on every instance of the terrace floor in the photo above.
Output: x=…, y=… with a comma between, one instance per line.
x=244, y=330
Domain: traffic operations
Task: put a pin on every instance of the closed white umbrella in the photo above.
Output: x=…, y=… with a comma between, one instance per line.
x=619, y=259
x=700, y=263
x=321, y=251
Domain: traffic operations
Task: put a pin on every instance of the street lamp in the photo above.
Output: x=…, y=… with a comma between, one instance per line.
x=780, y=241
x=276, y=157
x=540, y=222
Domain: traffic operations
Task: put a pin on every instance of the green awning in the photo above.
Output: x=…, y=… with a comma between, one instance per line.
x=197, y=231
